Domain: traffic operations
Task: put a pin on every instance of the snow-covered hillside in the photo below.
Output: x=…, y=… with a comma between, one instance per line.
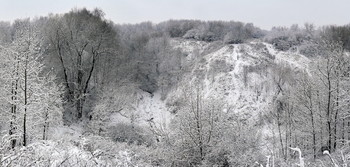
x=238, y=74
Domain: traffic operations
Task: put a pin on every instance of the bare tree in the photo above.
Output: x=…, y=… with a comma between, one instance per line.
x=305, y=95
x=327, y=75
x=198, y=125
x=81, y=39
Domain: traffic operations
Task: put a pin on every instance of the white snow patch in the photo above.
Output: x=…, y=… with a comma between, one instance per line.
x=148, y=107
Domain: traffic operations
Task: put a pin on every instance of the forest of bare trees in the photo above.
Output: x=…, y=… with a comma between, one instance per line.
x=79, y=68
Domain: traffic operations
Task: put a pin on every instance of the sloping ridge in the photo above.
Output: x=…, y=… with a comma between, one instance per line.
x=238, y=74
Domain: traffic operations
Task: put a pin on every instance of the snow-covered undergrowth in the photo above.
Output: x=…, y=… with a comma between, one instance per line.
x=71, y=148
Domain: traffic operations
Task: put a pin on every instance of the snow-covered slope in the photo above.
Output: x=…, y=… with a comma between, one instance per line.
x=237, y=74
x=240, y=75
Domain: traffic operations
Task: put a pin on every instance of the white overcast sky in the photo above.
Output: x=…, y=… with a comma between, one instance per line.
x=262, y=13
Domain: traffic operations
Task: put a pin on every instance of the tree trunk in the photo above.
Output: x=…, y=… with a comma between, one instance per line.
x=321, y=116
x=13, y=114
x=335, y=130
x=288, y=132
x=312, y=125
x=348, y=127
x=280, y=109
x=336, y=116
x=14, y=92
x=25, y=102
x=59, y=52
x=343, y=131
x=199, y=128
x=329, y=113
x=88, y=79
x=313, y=134
x=79, y=85
x=44, y=131
x=46, y=126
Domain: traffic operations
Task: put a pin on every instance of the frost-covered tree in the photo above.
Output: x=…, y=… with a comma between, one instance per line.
x=329, y=69
x=27, y=90
x=283, y=107
x=50, y=106
x=198, y=127
x=9, y=91
x=205, y=131
x=27, y=46
x=306, y=98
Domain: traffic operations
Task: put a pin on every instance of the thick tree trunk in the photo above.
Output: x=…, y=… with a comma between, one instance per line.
x=84, y=91
x=80, y=83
